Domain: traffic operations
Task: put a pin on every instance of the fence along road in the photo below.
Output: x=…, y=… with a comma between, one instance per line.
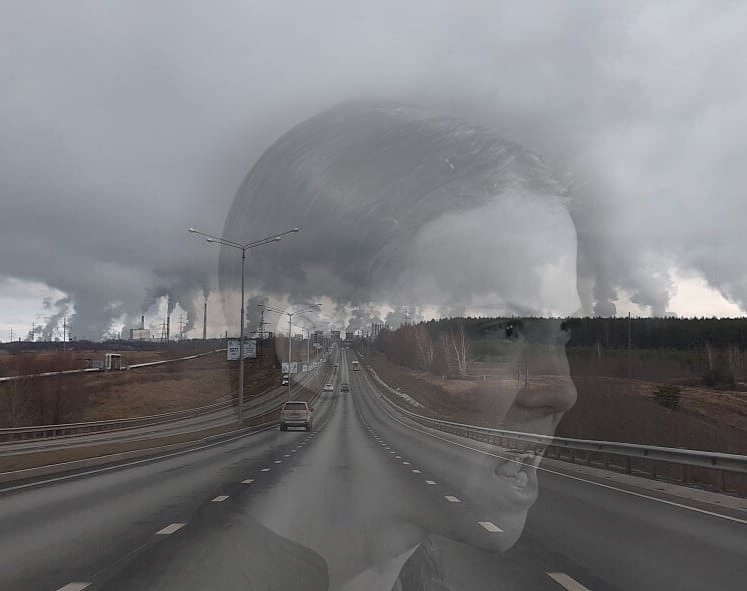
x=567, y=448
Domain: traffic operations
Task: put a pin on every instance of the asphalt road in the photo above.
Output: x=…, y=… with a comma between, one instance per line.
x=209, y=420
x=351, y=505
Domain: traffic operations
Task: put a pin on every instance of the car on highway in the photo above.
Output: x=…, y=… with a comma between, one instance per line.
x=329, y=388
x=296, y=413
x=344, y=388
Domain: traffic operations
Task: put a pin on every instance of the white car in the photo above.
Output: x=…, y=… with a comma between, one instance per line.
x=329, y=388
x=295, y=413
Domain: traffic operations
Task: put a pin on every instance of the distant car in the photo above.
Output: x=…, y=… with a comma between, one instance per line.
x=328, y=388
x=296, y=413
x=344, y=388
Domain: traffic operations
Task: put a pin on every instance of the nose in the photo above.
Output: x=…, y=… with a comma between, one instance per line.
x=543, y=392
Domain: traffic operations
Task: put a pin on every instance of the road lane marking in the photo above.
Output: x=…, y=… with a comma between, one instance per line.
x=393, y=452
x=490, y=526
x=591, y=482
x=265, y=470
x=118, y=466
x=170, y=529
x=416, y=471
x=398, y=457
x=286, y=455
x=247, y=481
x=278, y=462
x=219, y=499
x=452, y=499
x=405, y=463
x=430, y=482
x=567, y=582
x=74, y=587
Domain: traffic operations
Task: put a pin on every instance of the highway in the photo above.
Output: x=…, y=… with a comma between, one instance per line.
x=351, y=505
x=220, y=417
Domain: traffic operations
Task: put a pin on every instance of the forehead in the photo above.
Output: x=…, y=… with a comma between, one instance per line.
x=517, y=253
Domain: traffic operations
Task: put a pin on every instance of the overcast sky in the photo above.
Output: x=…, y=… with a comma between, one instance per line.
x=124, y=123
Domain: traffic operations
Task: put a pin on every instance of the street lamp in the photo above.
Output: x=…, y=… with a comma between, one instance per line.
x=290, y=316
x=243, y=248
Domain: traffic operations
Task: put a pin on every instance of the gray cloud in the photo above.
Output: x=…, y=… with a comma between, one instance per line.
x=123, y=125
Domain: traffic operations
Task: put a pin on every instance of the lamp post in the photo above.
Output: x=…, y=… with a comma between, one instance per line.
x=290, y=316
x=243, y=248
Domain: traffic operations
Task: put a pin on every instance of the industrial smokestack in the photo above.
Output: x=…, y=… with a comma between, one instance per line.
x=168, y=327
x=142, y=322
x=204, y=322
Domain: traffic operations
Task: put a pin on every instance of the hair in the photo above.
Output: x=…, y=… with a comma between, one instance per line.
x=363, y=178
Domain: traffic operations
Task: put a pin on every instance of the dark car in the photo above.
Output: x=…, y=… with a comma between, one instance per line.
x=344, y=388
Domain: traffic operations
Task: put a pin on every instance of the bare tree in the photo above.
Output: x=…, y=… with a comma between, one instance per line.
x=461, y=348
x=426, y=349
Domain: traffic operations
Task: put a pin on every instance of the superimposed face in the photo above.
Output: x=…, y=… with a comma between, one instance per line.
x=513, y=261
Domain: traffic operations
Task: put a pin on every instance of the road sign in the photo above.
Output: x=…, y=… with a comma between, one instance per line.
x=304, y=368
x=250, y=349
x=285, y=367
x=294, y=367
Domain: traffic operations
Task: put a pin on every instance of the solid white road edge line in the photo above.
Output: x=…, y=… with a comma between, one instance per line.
x=128, y=464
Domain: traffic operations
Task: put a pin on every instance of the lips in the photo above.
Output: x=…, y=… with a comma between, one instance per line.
x=519, y=470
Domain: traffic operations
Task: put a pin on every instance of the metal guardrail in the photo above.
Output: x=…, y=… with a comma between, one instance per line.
x=71, y=429
x=564, y=448
x=11, y=434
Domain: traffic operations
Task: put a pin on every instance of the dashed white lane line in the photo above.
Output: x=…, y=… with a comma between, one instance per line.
x=405, y=463
x=170, y=529
x=398, y=457
x=278, y=462
x=74, y=587
x=430, y=482
x=567, y=582
x=247, y=481
x=416, y=471
x=490, y=526
x=452, y=499
x=219, y=499
x=265, y=470
x=286, y=455
x=392, y=452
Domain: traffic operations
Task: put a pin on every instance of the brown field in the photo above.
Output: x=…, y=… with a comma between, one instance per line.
x=45, y=458
x=135, y=392
x=609, y=406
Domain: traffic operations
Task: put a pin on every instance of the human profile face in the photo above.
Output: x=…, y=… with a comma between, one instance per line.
x=514, y=260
